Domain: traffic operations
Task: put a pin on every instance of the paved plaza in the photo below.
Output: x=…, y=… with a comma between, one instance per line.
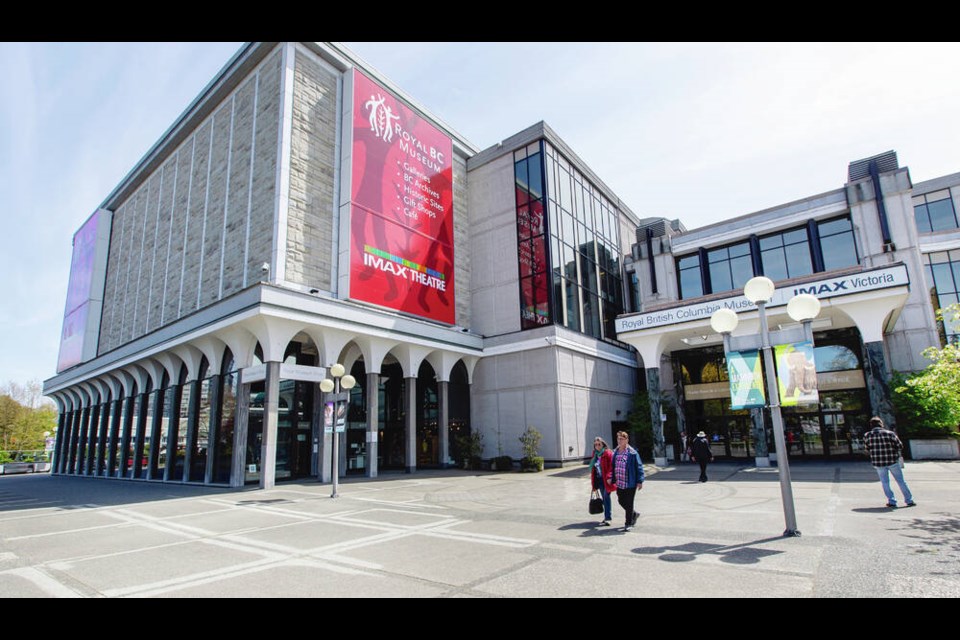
x=460, y=533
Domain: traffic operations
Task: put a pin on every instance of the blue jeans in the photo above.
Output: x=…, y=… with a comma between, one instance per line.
x=897, y=472
x=606, y=503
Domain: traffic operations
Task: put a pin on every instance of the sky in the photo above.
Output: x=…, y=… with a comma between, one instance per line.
x=702, y=132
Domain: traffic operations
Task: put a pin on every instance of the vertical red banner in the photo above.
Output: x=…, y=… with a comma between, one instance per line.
x=401, y=231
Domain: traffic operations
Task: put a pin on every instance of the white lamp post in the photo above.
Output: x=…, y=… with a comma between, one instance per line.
x=344, y=382
x=801, y=308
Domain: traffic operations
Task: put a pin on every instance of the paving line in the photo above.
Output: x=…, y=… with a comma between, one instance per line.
x=46, y=583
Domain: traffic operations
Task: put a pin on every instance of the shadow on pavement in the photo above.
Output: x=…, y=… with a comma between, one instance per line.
x=38, y=491
x=733, y=554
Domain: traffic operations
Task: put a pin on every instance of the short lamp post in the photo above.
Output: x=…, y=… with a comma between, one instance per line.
x=344, y=383
x=802, y=308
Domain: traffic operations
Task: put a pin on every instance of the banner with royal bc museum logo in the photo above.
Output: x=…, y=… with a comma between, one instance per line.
x=401, y=229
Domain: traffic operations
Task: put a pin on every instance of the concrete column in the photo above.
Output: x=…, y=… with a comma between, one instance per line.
x=103, y=434
x=681, y=406
x=443, y=398
x=117, y=411
x=155, y=422
x=271, y=406
x=761, y=453
x=373, y=423
x=62, y=421
x=172, y=407
x=316, y=434
x=193, y=418
x=410, y=407
x=130, y=402
x=76, y=459
x=877, y=378
x=91, y=445
x=216, y=391
x=141, y=435
x=653, y=390
x=238, y=463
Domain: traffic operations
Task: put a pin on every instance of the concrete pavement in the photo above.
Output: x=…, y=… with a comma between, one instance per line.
x=460, y=533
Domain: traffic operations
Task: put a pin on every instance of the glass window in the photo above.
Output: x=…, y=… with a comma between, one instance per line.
x=786, y=255
x=199, y=466
x=837, y=245
x=934, y=212
x=730, y=267
x=691, y=284
x=228, y=413
x=534, y=177
x=941, y=215
x=835, y=357
x=922, y=218
x=182, y=423
x=572, y=297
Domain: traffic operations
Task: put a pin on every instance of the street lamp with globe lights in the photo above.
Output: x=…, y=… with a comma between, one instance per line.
x=802, y=308
x=339, y=383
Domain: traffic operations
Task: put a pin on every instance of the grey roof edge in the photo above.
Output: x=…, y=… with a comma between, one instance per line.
x=936, y=184
x=542, y=130
x=835, y=196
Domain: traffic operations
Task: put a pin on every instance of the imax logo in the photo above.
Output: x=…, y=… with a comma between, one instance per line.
x=840, y=285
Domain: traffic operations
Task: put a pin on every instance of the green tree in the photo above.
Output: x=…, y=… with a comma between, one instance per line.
x=928, y=402
x=22, y=428
x=640, y=425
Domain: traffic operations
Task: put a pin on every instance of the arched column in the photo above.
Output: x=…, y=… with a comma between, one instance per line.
x=871, y=316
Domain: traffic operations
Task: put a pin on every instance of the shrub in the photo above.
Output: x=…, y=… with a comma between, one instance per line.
x=501, y=463
x=530, y=445
x=471, y=450
x=533, y=463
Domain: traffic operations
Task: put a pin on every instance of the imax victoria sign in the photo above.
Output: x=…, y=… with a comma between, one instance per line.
x=884, y=278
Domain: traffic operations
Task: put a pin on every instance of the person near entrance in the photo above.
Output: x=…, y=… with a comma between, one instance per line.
x=700, y=452
x=601, y=476
x=885, y=451
x=627, y=476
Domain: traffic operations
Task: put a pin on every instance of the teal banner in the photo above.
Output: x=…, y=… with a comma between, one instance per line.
x=746, y=379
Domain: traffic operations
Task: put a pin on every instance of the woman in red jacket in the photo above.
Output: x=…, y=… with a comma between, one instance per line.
x=601, y=475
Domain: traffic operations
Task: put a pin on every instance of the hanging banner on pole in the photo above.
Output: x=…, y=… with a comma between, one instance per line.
x=796, y=374
x=746, y=379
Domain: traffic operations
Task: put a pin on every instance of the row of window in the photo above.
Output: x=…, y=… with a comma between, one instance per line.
x=815, y=247
x=587, y=292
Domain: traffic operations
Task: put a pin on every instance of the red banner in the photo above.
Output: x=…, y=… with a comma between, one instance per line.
x=401, y=232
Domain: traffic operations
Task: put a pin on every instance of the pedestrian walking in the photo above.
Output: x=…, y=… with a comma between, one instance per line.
x=601, y=476
x=886, y=453
x=700, y=452
x=684, y=447
x=628, y=477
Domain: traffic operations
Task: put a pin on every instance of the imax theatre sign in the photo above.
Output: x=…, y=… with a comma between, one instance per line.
x=885, y=278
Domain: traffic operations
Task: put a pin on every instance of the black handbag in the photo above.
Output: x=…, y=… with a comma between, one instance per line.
x=596, y=502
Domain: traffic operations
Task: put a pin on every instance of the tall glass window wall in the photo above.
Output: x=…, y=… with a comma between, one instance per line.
x=812, y=248
x=943, y=272
x=582, y=230
x=934, y=212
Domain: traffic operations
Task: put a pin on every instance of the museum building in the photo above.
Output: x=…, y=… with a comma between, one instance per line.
x=304, y=211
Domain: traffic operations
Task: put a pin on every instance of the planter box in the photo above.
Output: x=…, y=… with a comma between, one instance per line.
x=935, y=449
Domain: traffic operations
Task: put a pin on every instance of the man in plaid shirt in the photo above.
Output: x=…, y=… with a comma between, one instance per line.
x=885, y=450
